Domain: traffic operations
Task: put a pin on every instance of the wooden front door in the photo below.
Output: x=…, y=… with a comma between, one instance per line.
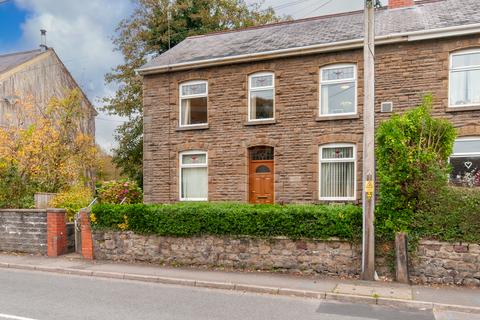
x=261, y=181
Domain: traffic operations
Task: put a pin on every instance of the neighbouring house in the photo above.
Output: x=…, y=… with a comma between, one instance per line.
x=35, y=77
x=274, y=113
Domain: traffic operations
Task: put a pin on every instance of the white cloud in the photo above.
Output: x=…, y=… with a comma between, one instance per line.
x=80, y=32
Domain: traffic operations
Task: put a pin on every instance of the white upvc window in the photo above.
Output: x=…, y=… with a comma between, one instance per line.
x=193, y=103
x=337, y=172
x=338, y=90
x=465, y=162
x=261, y=96
x=464, y=79
x=193, y=176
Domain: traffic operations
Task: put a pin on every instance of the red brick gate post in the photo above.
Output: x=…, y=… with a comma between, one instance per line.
x=86, y=229
x=56, y=232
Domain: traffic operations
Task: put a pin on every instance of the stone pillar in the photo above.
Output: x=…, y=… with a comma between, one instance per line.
x=86, y=230
x=56, y=232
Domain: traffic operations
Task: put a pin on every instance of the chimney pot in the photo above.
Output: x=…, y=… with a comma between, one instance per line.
x=393, y=4
x=43, y=39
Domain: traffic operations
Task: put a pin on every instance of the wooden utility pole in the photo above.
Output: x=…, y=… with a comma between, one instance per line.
x=368, y=252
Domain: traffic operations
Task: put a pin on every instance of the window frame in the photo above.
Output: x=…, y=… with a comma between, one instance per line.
x=321, y=160
x=451, y=70
x=354, y=79
x=190, y=96
x=463, y=154
x=250, y=90
x=181, y=166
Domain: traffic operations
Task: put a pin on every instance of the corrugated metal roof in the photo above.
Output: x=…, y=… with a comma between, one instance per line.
x=11, y=60
x=427, y=15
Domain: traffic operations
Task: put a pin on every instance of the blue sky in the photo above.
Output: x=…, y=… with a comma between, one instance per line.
x=81, y=33
x=11, y=19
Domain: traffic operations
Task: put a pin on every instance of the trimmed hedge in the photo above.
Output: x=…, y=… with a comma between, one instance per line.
x=194, y=219
x=452, y=214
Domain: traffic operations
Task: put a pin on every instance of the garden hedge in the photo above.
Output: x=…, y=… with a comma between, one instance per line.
x=194, y=219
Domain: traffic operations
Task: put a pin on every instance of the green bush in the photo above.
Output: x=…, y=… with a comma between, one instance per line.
x=15, y=191
x=412, y=165
x=452, y=214
x=192, y=219
x=73, y=200
x=114, y=192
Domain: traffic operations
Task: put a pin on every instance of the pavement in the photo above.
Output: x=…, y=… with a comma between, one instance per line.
x=451, y=299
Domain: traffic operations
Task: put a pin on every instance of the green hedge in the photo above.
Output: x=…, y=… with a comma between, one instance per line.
x=452, y=214
x=193, y=219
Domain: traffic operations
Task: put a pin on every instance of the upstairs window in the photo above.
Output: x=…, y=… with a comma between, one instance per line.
x=337, y=172
x=338, y=90
x=193, y=176
x=465, y=79
x=465, y=162
x=193, y=103
x=261, y=96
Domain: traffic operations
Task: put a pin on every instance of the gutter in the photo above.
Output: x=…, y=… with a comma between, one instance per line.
x=317, y=48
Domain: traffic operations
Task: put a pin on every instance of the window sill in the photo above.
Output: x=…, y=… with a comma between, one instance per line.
x=338, y=117
x=338, y=202
x=195, y=127
x=260, y=122
x=460, y=109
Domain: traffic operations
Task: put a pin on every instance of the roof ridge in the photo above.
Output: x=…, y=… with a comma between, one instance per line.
x=280, y=23
x=19, y=52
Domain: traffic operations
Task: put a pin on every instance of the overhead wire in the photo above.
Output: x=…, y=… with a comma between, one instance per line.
x=316, y=9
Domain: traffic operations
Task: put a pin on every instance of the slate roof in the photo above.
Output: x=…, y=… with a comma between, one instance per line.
x=425, y=15
x=11, y=60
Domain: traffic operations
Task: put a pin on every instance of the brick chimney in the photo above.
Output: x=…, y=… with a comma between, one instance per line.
x=393, y=4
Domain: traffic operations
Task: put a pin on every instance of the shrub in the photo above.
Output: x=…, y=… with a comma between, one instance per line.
x=193, y=219
x=412, y=165
x=73, y=200
x=114, y=192
x=452, y=214
x=16, y=191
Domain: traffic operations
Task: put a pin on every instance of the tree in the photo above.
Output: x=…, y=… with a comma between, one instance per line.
x=49, y=155
x=148, y=32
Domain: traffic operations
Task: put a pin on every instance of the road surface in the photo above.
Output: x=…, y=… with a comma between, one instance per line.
x=26, y=295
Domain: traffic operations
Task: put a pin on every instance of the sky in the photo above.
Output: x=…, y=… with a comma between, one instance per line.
x=81, y=33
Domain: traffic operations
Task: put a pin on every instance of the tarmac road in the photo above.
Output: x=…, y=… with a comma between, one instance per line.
x=29, y=295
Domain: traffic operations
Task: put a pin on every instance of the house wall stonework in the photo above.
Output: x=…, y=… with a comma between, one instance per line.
x=404, y=74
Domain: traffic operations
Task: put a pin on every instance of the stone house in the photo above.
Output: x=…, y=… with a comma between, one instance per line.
x=36, y=76
x=274, y=113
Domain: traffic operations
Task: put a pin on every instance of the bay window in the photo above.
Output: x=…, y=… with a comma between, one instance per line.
x=337, y=172
x=465, y=79
x=193, y=103
x=465, y=162
x=193, y=176
x=261, y=96
x=338, y=90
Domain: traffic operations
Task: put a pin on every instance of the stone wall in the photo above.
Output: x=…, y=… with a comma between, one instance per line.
x=433, y=263
x=23, y=230
x=336, y=258
x=446, y=263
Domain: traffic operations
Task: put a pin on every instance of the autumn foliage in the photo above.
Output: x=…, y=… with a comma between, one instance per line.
x=45, y=151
